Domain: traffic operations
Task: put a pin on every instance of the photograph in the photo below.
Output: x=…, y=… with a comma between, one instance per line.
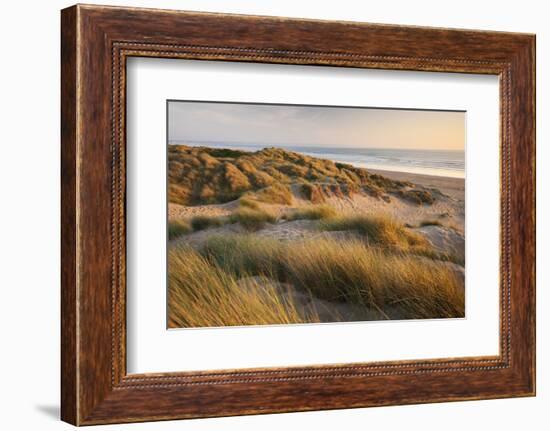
x=282, y=212
x=300, y=214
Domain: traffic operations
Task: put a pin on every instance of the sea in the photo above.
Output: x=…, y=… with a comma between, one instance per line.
x=444, y=163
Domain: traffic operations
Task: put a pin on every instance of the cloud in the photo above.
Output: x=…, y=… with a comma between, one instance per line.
x=287, y=125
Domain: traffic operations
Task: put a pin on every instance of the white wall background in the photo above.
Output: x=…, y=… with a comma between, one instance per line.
x=29, y=214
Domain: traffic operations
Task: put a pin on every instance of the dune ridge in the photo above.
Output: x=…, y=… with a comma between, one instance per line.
x=374, y=245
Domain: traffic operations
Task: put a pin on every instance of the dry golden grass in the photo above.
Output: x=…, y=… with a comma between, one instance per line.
x=248, y=203
x=378, y=230
x=313, y=192
x=416, y=196
x=201, y=294
x=235, y=180
x=246, y=254
x=201, y=175
x=249, y=216
x=252, y=219
x=206, y=222
x=385, y=232
x=317, y=212
x=178, y=228
x=348, y=271
x=275, y=194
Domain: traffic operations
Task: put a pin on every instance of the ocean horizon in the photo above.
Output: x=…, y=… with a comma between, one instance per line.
x=444, y=163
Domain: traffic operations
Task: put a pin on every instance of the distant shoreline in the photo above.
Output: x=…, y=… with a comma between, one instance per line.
x=424, y=171
x=451, y=186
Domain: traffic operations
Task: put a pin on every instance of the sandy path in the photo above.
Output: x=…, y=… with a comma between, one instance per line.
x=297, y=230
x=176, y=211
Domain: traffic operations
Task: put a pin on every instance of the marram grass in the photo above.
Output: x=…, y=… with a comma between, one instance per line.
x=348, y=271
x=202, y=294
x=314, y=212
x=177, y=228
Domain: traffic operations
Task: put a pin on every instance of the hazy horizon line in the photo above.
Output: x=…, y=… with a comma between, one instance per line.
x=303, y=145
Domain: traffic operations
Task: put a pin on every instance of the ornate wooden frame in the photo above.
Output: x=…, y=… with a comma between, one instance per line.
x=96, y=41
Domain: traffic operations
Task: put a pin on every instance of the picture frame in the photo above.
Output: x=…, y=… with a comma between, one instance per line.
x=96, y=42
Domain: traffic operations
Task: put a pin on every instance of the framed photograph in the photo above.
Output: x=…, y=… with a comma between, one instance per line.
x=264, y=215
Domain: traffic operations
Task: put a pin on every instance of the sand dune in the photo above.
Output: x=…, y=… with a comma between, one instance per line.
x=448, y=209
x=425, y=215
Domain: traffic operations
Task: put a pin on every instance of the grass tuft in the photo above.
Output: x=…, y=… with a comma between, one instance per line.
x=382, y=231
x=347, y=271
x=177, y=228
x=275, y=194
x=313, y=192
x=201, y=294
x=252, y=219
x=318, y=212
x=419, y=197
x=206, y=222
x=248, y=203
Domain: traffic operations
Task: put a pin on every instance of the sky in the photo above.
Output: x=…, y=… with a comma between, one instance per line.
x=294, y=125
